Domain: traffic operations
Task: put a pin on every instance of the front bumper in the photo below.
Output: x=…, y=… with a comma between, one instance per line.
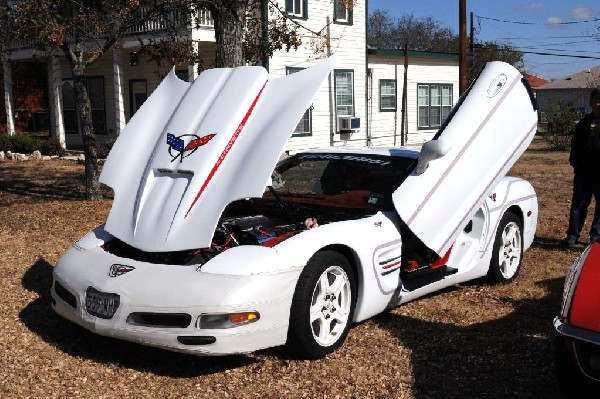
x=161, y=293
x=583, y=346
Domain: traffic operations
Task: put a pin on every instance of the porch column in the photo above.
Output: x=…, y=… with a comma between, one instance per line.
x=56, y=108
x=118, y=91
x=8, y=98
x=192, y=73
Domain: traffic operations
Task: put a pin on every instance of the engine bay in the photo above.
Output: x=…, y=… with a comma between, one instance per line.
x=252, y=221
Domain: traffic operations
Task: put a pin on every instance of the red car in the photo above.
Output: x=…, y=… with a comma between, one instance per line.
x=577, y=340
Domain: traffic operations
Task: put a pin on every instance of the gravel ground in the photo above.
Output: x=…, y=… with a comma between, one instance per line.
x=469, y=341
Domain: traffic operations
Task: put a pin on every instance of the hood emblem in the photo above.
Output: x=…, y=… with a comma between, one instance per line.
x=118, y=270
x=178, y=147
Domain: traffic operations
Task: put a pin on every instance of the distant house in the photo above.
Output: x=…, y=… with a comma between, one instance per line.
x=361, y=104
x=432, y=82
x=572, y=92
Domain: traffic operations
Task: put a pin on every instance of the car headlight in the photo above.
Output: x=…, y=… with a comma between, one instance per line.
x=226, y=320
x=581, y=301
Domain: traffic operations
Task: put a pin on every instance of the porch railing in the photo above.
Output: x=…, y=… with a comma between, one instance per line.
x=174, y=18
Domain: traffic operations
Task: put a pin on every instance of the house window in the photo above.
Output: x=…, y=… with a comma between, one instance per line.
x=304, y=127
x=344, y=92
x=434, y=104
x=95, y=88
x=69, y=110
x=387, y=95
x=341, y=13
x=138, y=93
x=297, y=8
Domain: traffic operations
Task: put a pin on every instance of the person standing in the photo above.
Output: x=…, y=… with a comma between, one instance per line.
x=585, y=160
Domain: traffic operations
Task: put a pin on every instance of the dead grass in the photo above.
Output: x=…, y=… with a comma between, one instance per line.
x=471, y=341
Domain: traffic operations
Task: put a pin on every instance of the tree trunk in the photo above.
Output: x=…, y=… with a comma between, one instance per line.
x=84, y=122
x=84, y=112
x=229, y=17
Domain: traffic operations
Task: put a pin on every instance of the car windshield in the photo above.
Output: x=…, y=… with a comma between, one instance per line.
x=340, y=180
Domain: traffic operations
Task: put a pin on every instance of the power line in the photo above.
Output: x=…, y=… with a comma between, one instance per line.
x=531, y=49
x=548, y=54
x=538, y=23
x=562, y=55
x=525, y=48
x=546, y=37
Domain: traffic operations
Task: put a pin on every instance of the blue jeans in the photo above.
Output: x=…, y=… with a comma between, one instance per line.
x=584, y=187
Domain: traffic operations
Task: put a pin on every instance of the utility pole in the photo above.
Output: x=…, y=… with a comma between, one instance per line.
x=471, y=43
x=462, y=52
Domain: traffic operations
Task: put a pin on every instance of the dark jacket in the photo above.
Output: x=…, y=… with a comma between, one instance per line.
x=585, y=146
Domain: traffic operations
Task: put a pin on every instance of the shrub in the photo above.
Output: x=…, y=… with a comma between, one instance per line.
x=24, y=144
x=52, y=146
x=5, y=143
x=560, y=124
x=105, y=148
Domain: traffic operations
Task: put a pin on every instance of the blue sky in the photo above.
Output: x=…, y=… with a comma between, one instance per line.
x=568, y=28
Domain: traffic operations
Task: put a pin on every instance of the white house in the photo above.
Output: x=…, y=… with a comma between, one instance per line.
x=432, y=83
x=361, y=104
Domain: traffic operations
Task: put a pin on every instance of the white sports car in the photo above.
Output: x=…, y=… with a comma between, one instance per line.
x=197, y=256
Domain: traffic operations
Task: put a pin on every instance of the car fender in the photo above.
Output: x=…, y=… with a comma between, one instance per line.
x=93, y=239
x=365, y=239
x=513, y=192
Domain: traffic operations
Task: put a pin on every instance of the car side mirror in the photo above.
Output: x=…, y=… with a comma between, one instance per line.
x=431, y=151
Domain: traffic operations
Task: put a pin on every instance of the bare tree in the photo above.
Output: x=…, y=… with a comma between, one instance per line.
x=423, y=34
x=85, y=30
x=493, y=51
x=428, y=34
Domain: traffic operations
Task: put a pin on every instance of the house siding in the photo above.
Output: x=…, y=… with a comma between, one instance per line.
x=347, y=44
x=577, y=100
x=385, y=126
x=571, y=92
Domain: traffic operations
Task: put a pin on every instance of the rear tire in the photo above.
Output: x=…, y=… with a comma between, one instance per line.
x=323, y=306
x=508, y=250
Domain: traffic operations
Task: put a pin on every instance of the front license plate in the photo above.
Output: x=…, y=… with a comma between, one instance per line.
x=101, y=304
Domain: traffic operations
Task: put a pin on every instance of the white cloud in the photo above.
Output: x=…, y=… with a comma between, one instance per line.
x=554, y=20
x=531, y=6
x=582, y=13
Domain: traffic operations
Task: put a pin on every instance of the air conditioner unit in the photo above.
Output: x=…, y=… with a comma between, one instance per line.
x=348, y=123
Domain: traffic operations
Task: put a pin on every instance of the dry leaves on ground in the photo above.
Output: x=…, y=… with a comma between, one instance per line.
x=470, y=341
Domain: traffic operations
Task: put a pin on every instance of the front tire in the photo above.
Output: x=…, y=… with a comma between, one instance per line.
x=323, y=306
x=508, y=250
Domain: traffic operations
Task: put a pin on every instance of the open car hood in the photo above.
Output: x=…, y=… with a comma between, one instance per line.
x=192, y=148
x=487, y=131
